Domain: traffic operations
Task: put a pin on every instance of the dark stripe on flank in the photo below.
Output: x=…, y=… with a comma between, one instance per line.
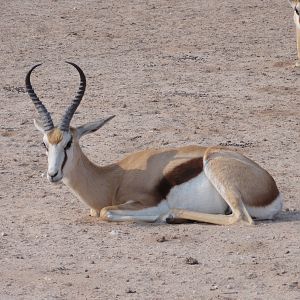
x=179, y=175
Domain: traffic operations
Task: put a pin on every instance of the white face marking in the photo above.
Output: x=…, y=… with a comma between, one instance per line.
x=296, y=7
x=297, y=19
x=56, y=156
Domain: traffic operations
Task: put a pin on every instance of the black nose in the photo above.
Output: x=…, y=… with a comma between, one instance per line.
x=52, y=176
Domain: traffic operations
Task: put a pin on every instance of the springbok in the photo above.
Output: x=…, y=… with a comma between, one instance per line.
x=296, y=7
x=213, y=185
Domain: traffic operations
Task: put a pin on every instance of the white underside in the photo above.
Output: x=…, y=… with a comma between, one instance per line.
x=197, y=194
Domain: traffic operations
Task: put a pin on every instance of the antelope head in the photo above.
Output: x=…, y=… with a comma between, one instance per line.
x=60, y=141
x=296, y=6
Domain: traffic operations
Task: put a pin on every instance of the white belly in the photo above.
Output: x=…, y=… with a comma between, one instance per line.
x=197, y=194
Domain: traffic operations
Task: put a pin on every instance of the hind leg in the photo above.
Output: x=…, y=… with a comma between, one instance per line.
x=221, y=168
x=239, y=214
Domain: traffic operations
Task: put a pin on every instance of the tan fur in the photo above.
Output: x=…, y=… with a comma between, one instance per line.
x=55, y=136
x=298, y=42
x=155, y=183
x=138, y=176
x=296, y=4
x=256, y=186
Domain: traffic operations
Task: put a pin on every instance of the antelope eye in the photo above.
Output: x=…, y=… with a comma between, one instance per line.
x=69, y=144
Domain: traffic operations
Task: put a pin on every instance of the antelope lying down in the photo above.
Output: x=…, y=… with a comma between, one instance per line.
x=212, y=185
x=296, y=7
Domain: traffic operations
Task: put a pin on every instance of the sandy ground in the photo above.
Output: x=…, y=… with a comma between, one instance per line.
x=174, y=73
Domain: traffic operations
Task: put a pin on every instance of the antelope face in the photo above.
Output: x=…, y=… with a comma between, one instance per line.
x=58, y=145
x=61, y=141
x=57, y=140
x=296, y=6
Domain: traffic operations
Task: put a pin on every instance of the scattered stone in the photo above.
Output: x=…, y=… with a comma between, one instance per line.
x=115, y=232
x=294, y=284
x=281, y=273
x=251, y=276
x=3, y=233
x=191, y=261
x=87, y=276
x=161, y=239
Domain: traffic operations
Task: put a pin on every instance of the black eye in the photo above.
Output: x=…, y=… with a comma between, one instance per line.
x=68, y=145
x=297, y=11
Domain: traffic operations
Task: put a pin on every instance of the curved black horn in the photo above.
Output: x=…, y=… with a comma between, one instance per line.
x=65, y=123
x=40, y=107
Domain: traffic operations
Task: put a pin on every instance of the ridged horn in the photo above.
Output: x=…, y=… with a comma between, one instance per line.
x=67, y=117
x=40, y=107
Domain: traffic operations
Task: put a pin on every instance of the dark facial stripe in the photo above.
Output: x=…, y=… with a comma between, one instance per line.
x=65, y=151
x=65, y=160
x=179, y=175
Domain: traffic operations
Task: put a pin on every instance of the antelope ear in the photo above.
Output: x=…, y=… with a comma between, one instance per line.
x=293, y=3
x=38, y=125
x=91, y=127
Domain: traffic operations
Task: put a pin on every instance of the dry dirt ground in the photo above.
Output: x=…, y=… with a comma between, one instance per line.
x=174, y=73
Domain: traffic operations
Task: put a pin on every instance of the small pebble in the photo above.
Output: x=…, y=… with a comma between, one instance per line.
x=130, y=291
x=115, y=232
x=191, y=261
x=161, y=239
x=294, y=285
x=214, y=287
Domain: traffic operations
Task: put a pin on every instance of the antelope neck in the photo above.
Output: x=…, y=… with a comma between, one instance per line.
x=94, y=185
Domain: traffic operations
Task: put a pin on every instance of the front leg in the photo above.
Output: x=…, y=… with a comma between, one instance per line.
x=94, y=212
x=133, y=211
x=102, y=213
